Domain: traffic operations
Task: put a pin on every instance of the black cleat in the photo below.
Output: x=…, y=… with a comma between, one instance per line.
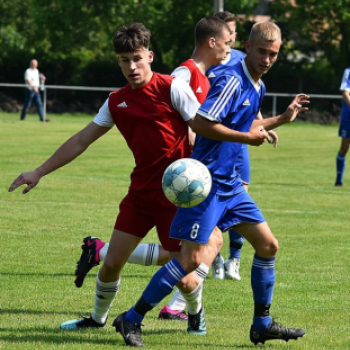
x=89, y=258
x=274, y=331
x=338, y=184
x=131, y=332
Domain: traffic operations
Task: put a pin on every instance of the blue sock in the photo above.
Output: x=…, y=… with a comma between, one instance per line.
x=263, y=281
x=161, y=285
x=236, y=243
x=340, y=168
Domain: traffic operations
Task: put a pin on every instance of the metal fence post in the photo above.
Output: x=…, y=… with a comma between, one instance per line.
x=44, y=103
x=274, y=105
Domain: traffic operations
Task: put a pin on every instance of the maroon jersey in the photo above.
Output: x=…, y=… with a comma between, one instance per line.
x=199, y=83
x=154, y=131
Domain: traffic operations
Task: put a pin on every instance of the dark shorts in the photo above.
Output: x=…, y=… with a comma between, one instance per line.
x=140, y=211
x=344, y=129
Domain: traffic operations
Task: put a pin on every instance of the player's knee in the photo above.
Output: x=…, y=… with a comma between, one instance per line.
x=112, y=266
x=273, y=247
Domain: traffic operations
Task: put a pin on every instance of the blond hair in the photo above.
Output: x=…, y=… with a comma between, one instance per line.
x=267, y=31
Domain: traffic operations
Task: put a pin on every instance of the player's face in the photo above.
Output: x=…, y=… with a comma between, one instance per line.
x=222, y=47
x=232, y=26
x=261, y=55
x=136, y=66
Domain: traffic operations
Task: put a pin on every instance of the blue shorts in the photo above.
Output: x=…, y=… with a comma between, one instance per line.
x=344, y=129
x=243, y=165
x=196, y=224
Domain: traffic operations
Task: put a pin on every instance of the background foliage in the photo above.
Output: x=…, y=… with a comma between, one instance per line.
x=73, y=40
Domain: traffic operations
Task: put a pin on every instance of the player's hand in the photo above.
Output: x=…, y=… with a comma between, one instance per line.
x=257, y=136
x=31, y=179
x=297, y=106
x=273, y=138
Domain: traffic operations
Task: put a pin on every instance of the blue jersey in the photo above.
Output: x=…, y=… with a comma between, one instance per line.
x=345, y=86
x=215, y=71
x=234, y=100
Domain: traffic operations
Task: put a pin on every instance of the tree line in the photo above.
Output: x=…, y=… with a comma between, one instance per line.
x=72, y=40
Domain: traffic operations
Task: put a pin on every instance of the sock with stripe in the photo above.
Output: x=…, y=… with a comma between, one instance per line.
x=145, y=254
x=262, y=281
x=105, y=294
x=340, y=168
x=161, y=285
x=178, y=302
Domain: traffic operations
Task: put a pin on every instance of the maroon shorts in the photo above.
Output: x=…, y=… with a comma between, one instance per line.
x=140, y=211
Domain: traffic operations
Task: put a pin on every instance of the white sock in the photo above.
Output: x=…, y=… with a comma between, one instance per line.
x=145, y=254
x=202, y=272
x=105, y=295
x=194, y=300
x=103, y=252
x=178, y=302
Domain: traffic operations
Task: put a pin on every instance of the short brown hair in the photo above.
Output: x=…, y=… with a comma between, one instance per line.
x=131, y=38
x=210, y=26
x=226, y=16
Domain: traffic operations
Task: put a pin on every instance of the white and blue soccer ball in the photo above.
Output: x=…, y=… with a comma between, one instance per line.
x=186, y=182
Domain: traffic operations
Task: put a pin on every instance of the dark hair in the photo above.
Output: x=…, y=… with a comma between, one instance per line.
x=131, y=38
x=210, y=26
x=226, y=16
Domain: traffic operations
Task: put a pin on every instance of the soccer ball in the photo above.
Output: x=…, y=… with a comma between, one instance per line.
x=186, y=182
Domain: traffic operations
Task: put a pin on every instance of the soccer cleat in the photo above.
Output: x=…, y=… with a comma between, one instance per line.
x=338, y=184
x=196, y=323
x=131, y=332
x=274, y=331
x=174, y=315
x=83, y=322
x=218, y=267
x=232, y=269
x=89, y=258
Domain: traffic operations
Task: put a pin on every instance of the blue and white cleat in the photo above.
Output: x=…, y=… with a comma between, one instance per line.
x=83, y=322
x=196, y=323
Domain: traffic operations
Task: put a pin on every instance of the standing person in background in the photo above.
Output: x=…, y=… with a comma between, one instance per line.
x=32, y=79
x=344, y=128
x=230, y=267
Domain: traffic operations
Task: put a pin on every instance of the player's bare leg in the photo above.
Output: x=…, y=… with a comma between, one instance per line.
x=108, y=280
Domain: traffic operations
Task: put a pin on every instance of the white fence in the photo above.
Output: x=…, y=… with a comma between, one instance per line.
x=274, y=95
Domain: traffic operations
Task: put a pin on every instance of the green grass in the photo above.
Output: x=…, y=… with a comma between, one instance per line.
x=40, y=235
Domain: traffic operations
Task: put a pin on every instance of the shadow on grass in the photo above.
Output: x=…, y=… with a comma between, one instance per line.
x=37, y=312
x=58, y=336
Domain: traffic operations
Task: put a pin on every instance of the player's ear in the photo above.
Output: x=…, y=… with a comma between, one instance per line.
x=247, y=46
x=150, y=56
x=211, y=42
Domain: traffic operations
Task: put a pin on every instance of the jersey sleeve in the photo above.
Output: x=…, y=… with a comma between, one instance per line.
x=345, y=83
x=183, y=73
x=222, y=99
x=103, y=117
x=183, y=99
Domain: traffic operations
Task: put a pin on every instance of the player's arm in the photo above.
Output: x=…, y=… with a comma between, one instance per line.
x=184, y=73
x=67, y=152
x=216, y=131
x=296, y=106
x=273, y=137
x=346, y=97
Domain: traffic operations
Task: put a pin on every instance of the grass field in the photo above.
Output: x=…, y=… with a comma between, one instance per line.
x=41, y=232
